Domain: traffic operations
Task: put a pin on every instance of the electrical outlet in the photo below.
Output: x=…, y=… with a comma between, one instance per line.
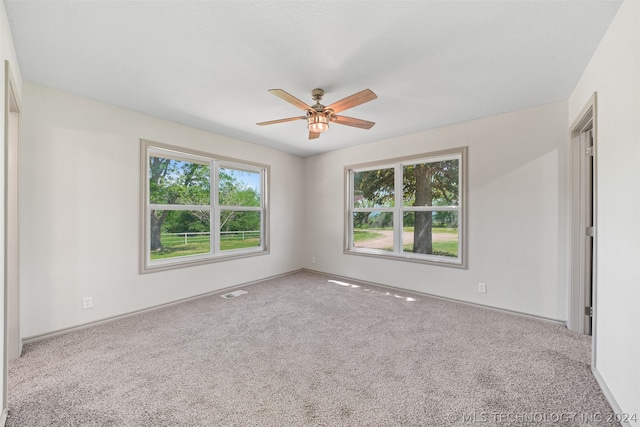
x=87, y=303
x=482, y=288
x=313, y=260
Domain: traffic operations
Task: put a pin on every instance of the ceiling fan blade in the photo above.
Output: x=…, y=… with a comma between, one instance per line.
x=350, y=121
x=290, y=99
x=313, y=135
x=273, y=122
x=353, y=100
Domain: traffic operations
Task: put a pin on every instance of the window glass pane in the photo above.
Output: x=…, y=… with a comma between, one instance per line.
x=373, y=189
x=176, y=182
x=239, y=229
x=373, y=230
x=239, y=188
x=428, y=232
x=179, y=233
x=431, y=184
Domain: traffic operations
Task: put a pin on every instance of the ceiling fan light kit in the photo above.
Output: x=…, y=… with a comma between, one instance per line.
x=318, y=122
x=318, y=116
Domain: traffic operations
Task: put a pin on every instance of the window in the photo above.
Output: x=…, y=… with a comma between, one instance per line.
x=410, y=208
x=200, y=208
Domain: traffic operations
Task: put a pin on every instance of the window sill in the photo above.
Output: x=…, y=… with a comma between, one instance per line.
x=172, y=264
x=431, y=260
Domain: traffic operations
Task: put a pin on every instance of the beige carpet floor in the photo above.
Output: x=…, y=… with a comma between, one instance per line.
x=303, y=350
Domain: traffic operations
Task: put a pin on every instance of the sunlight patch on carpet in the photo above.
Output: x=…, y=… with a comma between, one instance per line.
x=337, y=282
x=349, y=285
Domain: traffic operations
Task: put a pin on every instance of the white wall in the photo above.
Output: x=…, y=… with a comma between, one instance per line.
x=81, y=212
x=517, y=212
x=614, y=73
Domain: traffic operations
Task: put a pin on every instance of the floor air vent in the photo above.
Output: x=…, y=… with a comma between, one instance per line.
x=233, y=294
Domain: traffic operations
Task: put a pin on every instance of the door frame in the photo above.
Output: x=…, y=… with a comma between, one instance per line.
x=11, y=306
x=579, y=294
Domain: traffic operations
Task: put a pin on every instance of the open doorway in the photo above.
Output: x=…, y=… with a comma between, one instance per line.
x=583, y=230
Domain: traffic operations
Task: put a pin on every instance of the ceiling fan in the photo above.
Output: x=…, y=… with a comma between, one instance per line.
x=318, y=116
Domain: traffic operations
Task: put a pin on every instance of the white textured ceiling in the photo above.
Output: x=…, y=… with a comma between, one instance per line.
x=210, y=64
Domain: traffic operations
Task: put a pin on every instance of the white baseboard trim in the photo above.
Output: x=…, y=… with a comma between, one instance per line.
x=609, y=396
x=3, y=417
x=40, y=337
x=34, y=338
x=425, y=294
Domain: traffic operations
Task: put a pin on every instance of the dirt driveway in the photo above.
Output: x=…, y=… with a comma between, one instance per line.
x=386, y=240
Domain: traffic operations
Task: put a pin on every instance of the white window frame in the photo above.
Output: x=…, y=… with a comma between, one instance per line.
x=399, y=210
x=215, y=162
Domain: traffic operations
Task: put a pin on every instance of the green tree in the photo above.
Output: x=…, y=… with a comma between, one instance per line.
x=176, y=182
x=429, y=184
x=424, y=184
x=234, y=192
x=186, y=222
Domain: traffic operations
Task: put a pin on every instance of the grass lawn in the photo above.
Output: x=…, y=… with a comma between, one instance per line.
x=437, y=230
x=173, y=246
x=228, y=244
x=447, y=248
x=359, y=235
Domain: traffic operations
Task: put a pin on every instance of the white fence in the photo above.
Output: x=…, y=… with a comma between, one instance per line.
x=224, y=235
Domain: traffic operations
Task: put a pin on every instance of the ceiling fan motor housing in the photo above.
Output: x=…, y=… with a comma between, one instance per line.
x=317, y=94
